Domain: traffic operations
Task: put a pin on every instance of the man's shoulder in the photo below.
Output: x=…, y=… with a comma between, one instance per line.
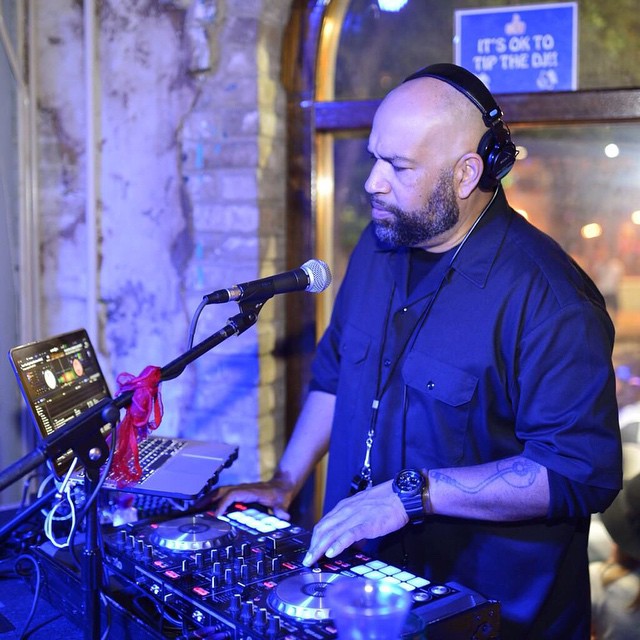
x=544, y=255
x=531, y=259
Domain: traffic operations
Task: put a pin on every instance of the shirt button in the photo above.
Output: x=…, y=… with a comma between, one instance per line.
x=431, y=385
x=404, y=309
x=387, y=363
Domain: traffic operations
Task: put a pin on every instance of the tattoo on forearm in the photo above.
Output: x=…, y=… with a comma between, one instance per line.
x=519, y=473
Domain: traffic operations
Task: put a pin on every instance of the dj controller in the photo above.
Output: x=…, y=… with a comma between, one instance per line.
x=240, y=577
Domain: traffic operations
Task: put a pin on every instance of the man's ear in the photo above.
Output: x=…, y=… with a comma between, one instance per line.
x=467, y=174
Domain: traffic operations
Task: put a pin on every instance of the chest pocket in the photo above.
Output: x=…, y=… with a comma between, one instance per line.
x=439, y=406
x=355, y=348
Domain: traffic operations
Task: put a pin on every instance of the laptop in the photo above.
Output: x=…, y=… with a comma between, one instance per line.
x=60, y=379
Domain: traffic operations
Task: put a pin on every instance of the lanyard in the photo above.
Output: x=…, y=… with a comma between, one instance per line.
x=363, y=480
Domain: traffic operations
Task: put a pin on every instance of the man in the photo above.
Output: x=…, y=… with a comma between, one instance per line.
x=615, y=580
x=469, y=352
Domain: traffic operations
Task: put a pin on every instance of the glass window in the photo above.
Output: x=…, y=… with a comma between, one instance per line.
x=378, y=47
x=579, y=183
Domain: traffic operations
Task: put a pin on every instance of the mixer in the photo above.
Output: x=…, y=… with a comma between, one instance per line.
x=240, y=576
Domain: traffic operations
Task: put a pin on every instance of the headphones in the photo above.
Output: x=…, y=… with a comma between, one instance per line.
x=496, y=149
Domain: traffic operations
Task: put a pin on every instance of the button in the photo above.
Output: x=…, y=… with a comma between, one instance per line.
x=405, y=576
x=387, y=362
x=374, y=575
x=361, y=569
x=431, y=385
x=405, y=309
x=439, y=589
x=418, y=582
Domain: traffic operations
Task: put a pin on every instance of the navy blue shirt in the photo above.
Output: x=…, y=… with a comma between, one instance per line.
x=503, y=348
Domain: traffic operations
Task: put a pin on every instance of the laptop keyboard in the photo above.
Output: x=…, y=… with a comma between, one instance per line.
x=154, y=452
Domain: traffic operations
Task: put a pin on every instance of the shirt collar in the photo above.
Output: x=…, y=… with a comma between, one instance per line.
x=479, y=251
x=477, y=255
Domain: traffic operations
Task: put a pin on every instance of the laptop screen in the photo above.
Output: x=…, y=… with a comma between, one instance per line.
x=60, y=378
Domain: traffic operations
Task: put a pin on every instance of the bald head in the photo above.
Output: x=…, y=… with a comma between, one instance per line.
x=436, y=111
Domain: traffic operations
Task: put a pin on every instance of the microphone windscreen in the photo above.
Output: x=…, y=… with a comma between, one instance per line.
x=319, y=275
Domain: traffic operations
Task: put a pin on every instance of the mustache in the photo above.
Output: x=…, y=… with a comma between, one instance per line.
x=379, y=204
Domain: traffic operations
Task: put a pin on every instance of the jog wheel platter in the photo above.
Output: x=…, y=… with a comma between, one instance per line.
x=192, y=533
x=304, y=596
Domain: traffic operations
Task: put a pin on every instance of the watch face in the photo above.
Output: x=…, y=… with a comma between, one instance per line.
x=409, y=481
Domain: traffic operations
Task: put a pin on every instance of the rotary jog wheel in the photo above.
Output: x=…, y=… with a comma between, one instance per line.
x=304, y=596
x=192, y=533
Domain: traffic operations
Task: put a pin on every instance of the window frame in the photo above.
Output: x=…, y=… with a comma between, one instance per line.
x=309, y=59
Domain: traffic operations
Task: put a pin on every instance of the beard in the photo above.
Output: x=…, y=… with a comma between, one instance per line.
x=414, y=228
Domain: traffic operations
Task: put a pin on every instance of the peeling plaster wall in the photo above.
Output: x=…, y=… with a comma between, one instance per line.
x=147, y=92
x=11, y=448
x=191, y=199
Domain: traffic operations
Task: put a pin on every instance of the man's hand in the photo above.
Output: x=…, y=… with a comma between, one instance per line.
x=366, y=515
x=276, y=494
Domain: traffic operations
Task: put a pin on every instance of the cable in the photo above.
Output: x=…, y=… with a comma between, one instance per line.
x=64, y=491
x=194, y=321
x=42, y=625
x=36, y=590
x=107, y=610
x=25, y=489
x=51, y=519
x=64, y=495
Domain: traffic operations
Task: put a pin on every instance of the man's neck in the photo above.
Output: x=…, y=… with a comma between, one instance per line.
x=471, y=209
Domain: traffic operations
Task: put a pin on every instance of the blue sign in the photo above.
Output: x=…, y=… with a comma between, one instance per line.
x=520, y=49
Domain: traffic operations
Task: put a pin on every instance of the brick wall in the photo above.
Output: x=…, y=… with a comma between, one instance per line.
x=191, y=198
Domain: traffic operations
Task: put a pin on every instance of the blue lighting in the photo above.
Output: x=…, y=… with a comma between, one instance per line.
x=391, y=5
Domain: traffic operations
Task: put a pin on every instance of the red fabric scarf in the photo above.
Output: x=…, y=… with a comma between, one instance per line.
x=142, y=415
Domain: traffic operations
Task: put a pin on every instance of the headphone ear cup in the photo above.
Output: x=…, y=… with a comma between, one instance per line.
x=498, y=154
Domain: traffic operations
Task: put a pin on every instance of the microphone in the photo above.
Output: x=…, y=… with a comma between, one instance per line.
x=313, y=276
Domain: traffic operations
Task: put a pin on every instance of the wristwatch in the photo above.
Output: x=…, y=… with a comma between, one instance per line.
x=409, y=485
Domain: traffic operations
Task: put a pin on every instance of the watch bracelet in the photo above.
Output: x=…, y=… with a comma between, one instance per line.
x=427, y=506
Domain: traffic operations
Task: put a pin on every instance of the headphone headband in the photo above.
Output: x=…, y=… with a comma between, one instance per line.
x=496, y=148
x=466, y=83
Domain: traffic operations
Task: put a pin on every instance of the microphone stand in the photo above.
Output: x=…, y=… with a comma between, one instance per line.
x=84, y=436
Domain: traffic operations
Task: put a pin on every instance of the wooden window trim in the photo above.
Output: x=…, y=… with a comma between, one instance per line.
x=622, y=105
